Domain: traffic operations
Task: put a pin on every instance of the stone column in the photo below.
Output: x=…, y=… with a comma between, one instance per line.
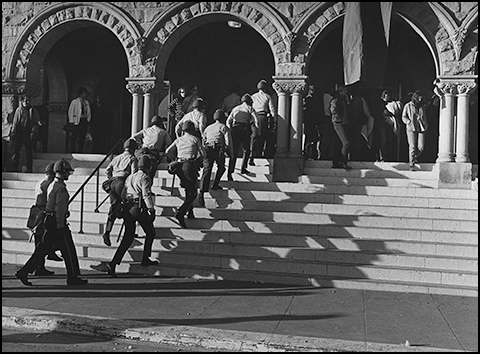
x=288, y=162
x=296, y=126
x=283, y=120
x=147, y=103
x=463, y=89
x=137, y=106
x=447, y=92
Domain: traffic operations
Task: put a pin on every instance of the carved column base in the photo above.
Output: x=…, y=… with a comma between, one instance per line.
x=454, y=175
x=287, y=169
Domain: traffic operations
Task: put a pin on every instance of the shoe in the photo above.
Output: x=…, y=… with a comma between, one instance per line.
x=217, y=187
x=54, y=257
x=76, y=281
x=181, y=220
x=201, y=200
x=190, y=215
x=245, y=171
x=412, y=168
x=43, y=272
x=147, y=262
x=111, y=269
x=251, y=163
x=346, y=167
x=229, y=177
x=106, y=239
x=23, y=278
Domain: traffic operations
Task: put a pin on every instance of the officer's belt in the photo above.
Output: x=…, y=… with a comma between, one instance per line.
x=185, y=160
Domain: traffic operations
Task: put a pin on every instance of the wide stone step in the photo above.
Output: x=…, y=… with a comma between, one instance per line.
x=371, y=173
x=207, y=218
x=175, y=270
x=361, y=181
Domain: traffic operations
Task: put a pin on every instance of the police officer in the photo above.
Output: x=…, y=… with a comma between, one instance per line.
x=265, y=109
x=197, y=117
x=57, y=230
x=239, y=122
x=189, y=152
x=139, y=206
x=38, y=229
x=217, y=142
x=117, y=171
x=153, y=141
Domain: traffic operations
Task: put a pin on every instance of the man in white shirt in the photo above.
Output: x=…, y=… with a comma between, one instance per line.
x=267, y=116
x=79, y=113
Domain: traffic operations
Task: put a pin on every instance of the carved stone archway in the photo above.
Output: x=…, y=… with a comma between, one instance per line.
x=49, y=25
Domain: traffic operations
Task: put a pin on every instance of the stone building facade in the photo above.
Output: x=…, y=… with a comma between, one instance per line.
x=146, y=35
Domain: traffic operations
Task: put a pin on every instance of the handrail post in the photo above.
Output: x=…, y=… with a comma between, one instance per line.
x=98, y=181
x=81, y=212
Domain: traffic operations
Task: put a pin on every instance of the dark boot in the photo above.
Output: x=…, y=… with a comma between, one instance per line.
x=106, y=235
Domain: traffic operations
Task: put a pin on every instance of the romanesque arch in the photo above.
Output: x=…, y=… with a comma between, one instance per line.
x=175, y=23
x=53, y=22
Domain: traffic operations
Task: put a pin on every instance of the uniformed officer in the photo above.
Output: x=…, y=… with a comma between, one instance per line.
x=117, y=171
x=197, y=117
x=57, y=231
x=38, y=229
x=139, y=206
x=189, y=152
x=239, y=122
x=217, y=142
x=266, y=113
x=152, y=141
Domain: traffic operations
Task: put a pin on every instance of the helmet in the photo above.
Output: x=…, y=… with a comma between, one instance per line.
x=188, y=126
x=144, y=163
x=199, y=103
x=49, y=169
x=62, y=166
x=129, y=144
x=219, y=115
x=155, y=120
x=247, y=98
x=262, y=85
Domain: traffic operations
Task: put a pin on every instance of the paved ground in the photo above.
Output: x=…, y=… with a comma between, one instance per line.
x=235, y=316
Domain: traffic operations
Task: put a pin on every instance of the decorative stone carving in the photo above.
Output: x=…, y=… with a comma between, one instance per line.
x=289, y=87
x=71, y=13
x=20, y=88
x=465, y=88
x=134, y=88
x=57, y=107
x=457, y=38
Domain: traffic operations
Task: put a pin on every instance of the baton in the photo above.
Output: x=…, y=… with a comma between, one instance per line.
x=121, y=229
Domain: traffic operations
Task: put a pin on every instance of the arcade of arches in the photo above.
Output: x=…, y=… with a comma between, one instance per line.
x=134, y=68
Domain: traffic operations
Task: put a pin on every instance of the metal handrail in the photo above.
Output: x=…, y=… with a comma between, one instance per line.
x=82, y=187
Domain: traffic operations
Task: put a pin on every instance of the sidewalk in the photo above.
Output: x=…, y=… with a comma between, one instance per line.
x=234, y=316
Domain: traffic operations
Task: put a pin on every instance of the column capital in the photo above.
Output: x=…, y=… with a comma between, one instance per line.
x=20, y=88
x=455, y=84
x=141, y=85
x=290, y=85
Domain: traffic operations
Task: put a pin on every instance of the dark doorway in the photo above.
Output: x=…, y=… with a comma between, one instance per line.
x=409, y=67
x=94, y=58
x=214, y=55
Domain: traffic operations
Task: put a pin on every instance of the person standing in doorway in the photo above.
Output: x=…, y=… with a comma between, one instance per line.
x=311, y=124
x=240, y=122
x=117, y=171
x=140, y=206
x=175, y=112
x=26, y=124
x=101, y=121
x=340, y=121
x=415, y=119
x=58, y=233
x=187, y=104
x=187, y=150
x=79, y=113
x=217, y=142
x=267, y=116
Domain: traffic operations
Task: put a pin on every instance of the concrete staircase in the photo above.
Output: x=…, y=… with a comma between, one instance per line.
x=376, y=227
